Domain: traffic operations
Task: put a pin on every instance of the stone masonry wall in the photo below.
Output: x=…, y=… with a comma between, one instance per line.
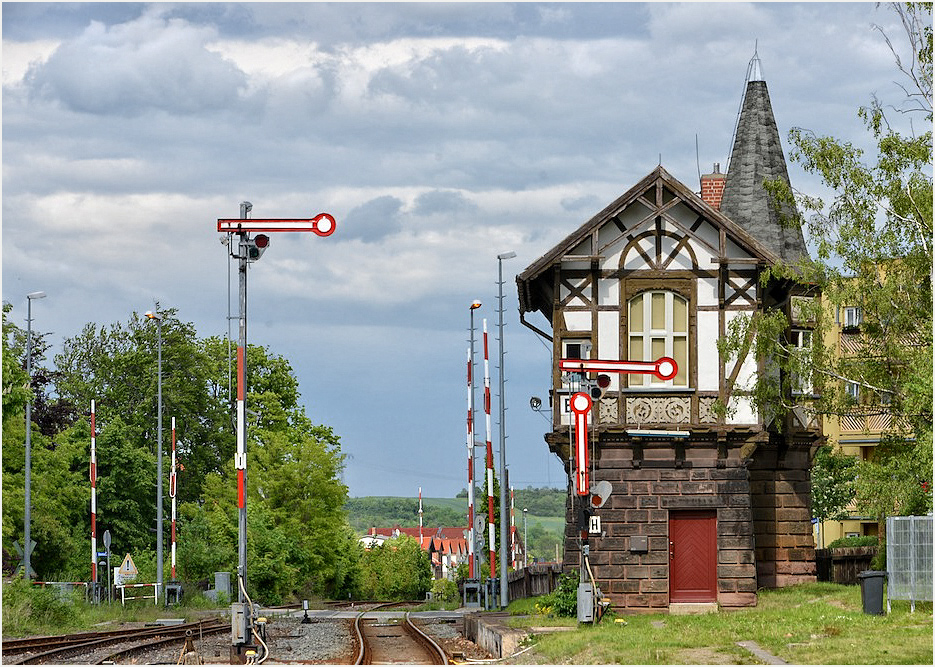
x=639, y=507
x=780, y=488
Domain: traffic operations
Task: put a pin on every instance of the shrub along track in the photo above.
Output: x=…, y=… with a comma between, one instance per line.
x=94, y=647
x=395, y=643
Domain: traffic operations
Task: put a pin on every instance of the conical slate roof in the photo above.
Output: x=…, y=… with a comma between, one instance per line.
x=756, y=157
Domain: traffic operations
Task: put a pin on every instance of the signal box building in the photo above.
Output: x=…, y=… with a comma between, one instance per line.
x=706, y=505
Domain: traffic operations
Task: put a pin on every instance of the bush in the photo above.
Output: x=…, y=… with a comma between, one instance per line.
x=865, y=541
x=31, y=609
x=444, y=590
x=563, y=601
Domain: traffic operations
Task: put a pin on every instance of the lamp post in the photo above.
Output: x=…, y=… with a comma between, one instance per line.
x=525, y=546
x=504, y=584
x=158, y=318
x=27, y=547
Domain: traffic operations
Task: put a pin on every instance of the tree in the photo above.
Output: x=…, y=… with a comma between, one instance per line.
x=833, y=475
x=398, y=569
x=873, y=243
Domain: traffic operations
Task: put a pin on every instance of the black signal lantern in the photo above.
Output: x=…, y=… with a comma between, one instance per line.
x=599, y=388
x=256, y=247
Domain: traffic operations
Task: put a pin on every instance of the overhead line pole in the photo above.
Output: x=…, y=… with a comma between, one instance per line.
x=504, y=581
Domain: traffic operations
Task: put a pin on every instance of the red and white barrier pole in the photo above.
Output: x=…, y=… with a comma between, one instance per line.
x=513, y=527
x=173, y=481
x=470, y=466
x=491, y=517
x=93, y=475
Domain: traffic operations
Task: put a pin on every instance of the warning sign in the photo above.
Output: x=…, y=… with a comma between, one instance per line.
x=128, y=569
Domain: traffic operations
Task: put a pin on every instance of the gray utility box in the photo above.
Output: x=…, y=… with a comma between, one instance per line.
x=585, y=603
x=238, y=623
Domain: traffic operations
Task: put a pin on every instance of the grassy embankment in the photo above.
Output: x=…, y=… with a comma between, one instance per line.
x=807, y=624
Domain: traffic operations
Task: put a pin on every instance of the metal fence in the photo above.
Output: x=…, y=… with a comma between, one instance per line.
x=908, y=559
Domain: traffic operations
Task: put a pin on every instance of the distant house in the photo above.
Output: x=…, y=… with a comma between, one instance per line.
x=706, y=505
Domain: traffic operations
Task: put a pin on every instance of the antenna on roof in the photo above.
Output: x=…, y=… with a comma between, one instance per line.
x=754, y=73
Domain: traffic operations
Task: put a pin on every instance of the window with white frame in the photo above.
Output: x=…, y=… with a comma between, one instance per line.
x=801, y=339
x=853, y=390
x=657, y=323
x=852, y=317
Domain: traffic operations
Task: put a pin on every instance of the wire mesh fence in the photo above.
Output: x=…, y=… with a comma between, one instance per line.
x=908, y=559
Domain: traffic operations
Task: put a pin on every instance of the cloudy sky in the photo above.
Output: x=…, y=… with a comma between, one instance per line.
x=437, y=134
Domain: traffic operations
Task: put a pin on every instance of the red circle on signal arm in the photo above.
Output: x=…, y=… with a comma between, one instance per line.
x=666, y=368
x=261, y=240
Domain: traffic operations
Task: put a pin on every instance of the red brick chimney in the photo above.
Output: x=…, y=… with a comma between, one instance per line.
x=712, y=187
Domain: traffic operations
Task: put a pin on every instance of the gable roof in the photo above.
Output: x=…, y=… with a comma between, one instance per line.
x=757, y=156
x=531, y=299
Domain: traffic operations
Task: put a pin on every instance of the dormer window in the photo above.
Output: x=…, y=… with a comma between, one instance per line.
x=658, y=327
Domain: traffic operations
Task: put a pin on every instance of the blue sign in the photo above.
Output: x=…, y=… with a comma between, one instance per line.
x=102, y=554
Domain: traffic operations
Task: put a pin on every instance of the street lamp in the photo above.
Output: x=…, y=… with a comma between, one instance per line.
x=504, y=583
x=27, y=547
x=525, y=545
x=158, y=318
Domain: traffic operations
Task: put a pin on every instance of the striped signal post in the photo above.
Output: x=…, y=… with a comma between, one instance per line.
x=250, y=249
x=93, y=475
x=420, y=517
x=513, y=527
x=470, y=466
x=491, y=527
x=173, y=482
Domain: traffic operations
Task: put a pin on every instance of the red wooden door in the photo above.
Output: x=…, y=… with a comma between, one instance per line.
x=693, y=556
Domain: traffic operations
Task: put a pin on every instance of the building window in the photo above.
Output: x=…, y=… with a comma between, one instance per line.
x=575, y=348
x=801, y=340
x=852, y=317
x=658, y=327
x=853, y=390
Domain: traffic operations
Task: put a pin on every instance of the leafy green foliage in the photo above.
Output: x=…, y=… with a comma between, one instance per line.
x=563, y=601
x=396, y=570
x=298, y=537
x=873, y=242
x=388, y=511
x=863, y=541
x=833, y=475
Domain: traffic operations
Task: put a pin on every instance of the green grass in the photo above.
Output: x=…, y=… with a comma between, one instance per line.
x=808, y=624
x=30, y=611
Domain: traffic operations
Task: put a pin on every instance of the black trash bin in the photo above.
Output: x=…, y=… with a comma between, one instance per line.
x=871, y=591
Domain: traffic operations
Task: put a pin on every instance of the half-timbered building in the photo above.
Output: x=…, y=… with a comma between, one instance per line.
x=707, y=504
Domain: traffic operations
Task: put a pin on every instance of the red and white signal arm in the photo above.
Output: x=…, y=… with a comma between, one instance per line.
x=322, y=224
x=581, y=407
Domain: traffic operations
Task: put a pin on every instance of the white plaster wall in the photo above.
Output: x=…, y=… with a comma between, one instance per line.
x=608, y=292
x=748, y=368
x=703, y=255
x=608, y=341
x=611, y=254
x=707, y=292
x=577, y=320
x=708, y=360
x=710, y=234
x=743, y=411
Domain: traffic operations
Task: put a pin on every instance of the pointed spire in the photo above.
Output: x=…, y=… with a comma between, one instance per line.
x=756, y=157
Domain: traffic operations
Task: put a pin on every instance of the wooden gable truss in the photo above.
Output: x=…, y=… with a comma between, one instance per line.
x=657, y=235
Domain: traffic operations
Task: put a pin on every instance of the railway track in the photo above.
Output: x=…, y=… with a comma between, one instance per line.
x=398, y=641
x=97, y=647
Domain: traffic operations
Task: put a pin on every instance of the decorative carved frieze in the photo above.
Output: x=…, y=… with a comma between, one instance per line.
x=706, y=413
x=658, y=410
x=608, y=410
